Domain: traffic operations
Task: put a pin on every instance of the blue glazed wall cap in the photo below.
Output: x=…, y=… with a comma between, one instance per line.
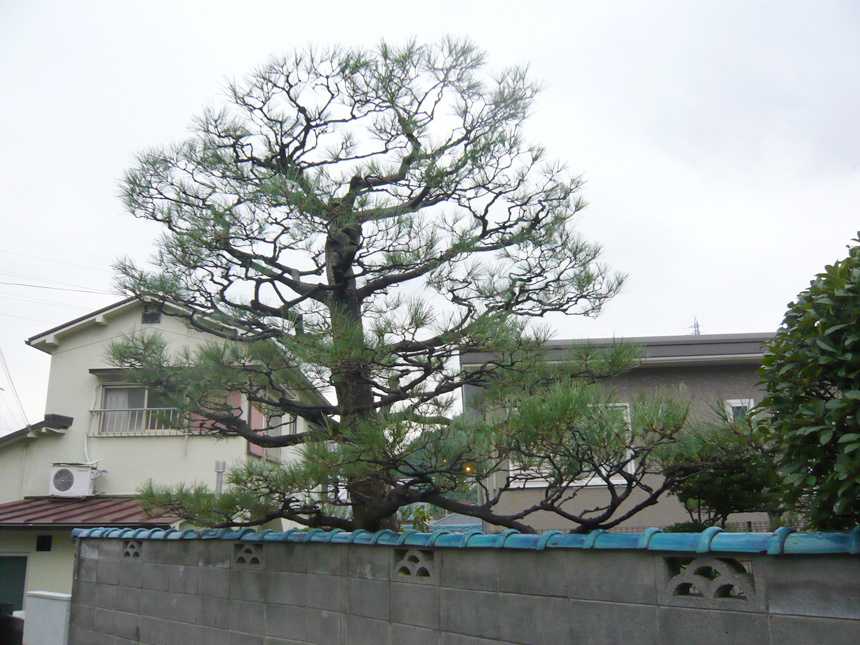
x=706, y=537
x=645, y=537
x=545, y=538
x=404, y=535
x=333, y=533
x=503, y=537
x=248, y=535
x=783, y=542
x=380, y=534
x=355, y=535
x=591, y=539
x=854, y=541
x=468, y=536
x=435, y=536
x=776, y=544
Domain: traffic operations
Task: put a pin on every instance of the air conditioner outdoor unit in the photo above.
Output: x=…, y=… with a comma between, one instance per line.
x=72, y=480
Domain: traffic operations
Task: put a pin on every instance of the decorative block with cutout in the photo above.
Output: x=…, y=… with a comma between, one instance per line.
x=248, y=555
x=418, y=565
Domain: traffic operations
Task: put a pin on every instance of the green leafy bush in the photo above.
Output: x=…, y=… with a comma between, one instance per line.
x=686, y=527
x=812, y=375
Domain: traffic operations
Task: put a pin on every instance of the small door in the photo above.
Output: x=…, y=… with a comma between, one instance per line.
x=13, y=578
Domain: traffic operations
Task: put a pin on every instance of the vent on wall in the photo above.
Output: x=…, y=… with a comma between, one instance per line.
x=150, y=316
x=72, y=480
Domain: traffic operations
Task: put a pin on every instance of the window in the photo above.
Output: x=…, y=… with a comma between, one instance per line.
x=274, y=427
x=280, y=427
x=150, y=316
x=257, y=422
x=622, y=412
x=738, y=408
x=132, y=410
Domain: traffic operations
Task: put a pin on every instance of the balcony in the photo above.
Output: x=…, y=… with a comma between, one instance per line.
x=139, y=422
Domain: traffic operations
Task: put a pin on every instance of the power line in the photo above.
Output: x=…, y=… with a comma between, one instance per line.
x=5, y=295
x=71, y=264
x=39, y=279
x=12, y=386
x=39, y=286
x=50, y=322
x=13, y=416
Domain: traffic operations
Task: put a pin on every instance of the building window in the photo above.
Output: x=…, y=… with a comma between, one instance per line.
x=43, y=543
x=737, y=409
x=132, y=410
x=621, y=412
x=274, y=426
x=150, y=316
x=279, y=426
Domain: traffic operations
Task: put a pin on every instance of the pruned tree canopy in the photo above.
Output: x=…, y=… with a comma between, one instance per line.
x=348, y=223
x=730, y=469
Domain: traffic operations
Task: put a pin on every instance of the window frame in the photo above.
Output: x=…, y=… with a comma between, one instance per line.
x=272, y=429
x=731, y=404
x=135, y=421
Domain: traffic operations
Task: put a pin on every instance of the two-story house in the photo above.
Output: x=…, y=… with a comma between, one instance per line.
x=100, y=440
x=711, y=370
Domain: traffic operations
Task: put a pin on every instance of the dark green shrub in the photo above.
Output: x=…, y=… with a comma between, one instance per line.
x=812, y=375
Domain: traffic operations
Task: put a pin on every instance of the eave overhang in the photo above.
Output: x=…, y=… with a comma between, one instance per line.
x=52, y=424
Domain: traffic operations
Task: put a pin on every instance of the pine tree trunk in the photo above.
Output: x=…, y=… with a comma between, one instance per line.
x=353, y=379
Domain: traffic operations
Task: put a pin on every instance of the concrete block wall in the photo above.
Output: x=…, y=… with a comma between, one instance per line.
x=246, y=591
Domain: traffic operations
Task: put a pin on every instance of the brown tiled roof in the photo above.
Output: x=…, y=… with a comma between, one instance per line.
x=59, y=512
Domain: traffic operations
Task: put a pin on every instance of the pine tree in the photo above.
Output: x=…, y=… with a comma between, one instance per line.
x=348, y=223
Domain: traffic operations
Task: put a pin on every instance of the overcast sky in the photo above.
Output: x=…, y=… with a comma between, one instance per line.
x=719, y=140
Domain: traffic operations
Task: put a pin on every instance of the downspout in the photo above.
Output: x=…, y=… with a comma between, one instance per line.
x=23, y=469
x=96, y=391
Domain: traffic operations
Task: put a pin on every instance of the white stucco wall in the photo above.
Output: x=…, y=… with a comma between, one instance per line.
x=25, y=466
x=46, y=570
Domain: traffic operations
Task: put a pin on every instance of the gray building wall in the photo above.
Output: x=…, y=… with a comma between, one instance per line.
x=279, y=593
x=704, y=383
x=701, y=370
x=704, y=386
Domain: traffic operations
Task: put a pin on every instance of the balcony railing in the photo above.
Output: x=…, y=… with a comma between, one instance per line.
x=140, y=422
